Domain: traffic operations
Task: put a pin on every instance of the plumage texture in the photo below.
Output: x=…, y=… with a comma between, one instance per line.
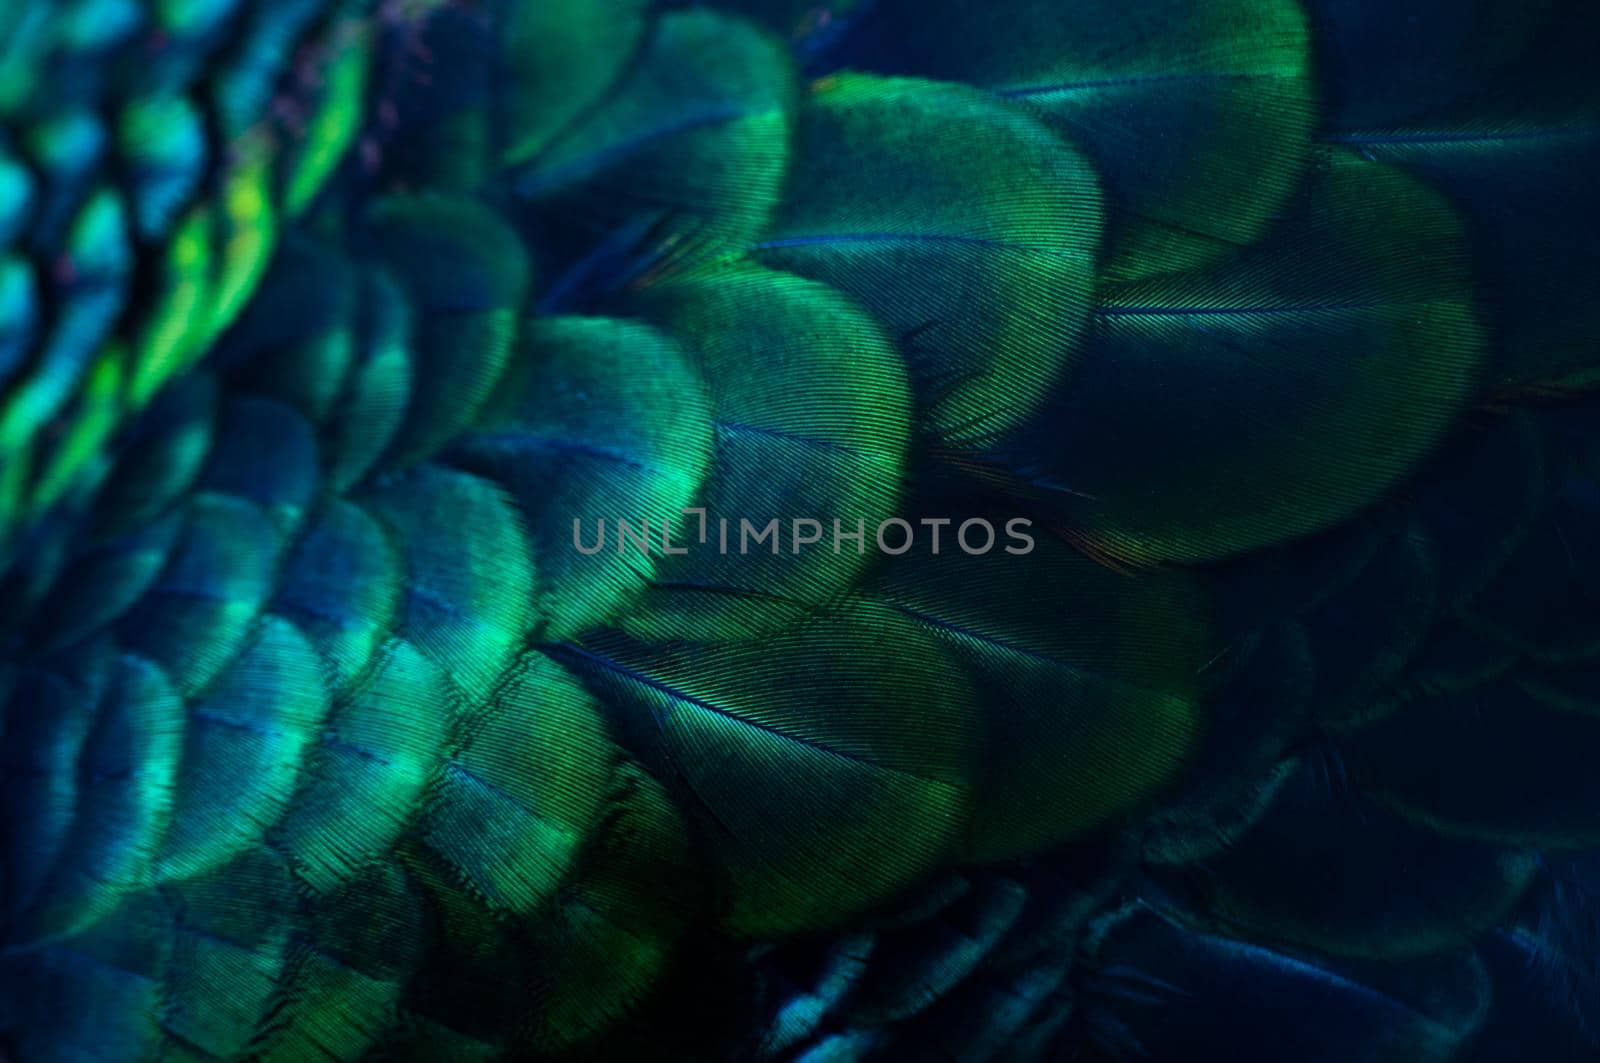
x=758, y=529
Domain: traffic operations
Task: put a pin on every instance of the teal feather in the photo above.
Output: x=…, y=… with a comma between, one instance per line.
x=887, y=183
x=321, y=322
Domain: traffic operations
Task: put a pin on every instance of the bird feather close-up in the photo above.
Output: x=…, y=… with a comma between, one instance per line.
x=789, y=530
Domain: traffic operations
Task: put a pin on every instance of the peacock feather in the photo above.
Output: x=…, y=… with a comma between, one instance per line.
x=778, y=530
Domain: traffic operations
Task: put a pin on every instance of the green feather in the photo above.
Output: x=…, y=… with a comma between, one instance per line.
x=697, y=131
x=560, y=59
x=996, y=220
x=618, y=926
x=341, y=586
x=129, y=756
x=600, y=420
x=465, y=274
x=1087, y=680
x=161, y=460
x=198, y=615
x=1330, y=367
x=468, y=592
x=828, y=763
x=295, y=341
x=1518, y=175
x=332, y=127
x=215, y=941
x=1198, y=114
x=103, y=583
x=163, y=139
x=241, y=751
x=359, y=949
x=40, y=784
x=369, y=413
x=513, y=806
x=365, y=777
x=266, y=453
x=820, y=434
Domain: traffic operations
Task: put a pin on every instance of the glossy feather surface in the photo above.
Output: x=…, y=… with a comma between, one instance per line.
x=755, y=529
